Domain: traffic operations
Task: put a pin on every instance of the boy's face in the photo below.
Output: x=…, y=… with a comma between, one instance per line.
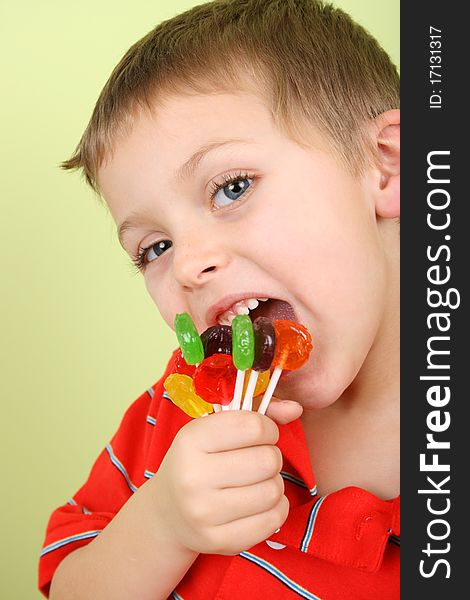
x=293, y=225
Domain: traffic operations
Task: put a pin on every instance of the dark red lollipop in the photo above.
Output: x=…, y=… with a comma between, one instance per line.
x=214, y=379
x=217, y=340
x=265, y=343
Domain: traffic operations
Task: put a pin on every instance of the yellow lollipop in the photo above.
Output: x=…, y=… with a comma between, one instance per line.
x=261, y=383
x=180, y=388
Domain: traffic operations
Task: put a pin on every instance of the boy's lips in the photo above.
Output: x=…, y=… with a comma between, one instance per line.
x=254, y=304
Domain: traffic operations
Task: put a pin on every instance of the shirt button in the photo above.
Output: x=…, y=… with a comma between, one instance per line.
x=275, y=545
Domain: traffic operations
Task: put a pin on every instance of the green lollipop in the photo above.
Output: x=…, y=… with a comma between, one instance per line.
x=243, y=342
x=188, y=339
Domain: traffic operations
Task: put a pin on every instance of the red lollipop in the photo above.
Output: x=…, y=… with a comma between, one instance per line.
x=214, y=379
x=181, y=366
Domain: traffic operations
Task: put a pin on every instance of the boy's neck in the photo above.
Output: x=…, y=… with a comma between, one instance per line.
x=352, y=446
x=356, y=440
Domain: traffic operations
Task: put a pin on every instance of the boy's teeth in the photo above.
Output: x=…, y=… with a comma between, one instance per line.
x=242, y=307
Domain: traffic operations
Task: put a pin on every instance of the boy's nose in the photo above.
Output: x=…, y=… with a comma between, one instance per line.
x=193, y=270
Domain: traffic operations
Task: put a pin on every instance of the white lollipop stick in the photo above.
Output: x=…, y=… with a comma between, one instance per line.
x=248, y=399
x=269, y=390
x=237, y=394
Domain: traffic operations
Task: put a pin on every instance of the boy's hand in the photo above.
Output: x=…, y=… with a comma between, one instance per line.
x=218, y=489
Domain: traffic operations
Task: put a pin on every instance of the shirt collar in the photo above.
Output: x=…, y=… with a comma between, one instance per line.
x=349, y=527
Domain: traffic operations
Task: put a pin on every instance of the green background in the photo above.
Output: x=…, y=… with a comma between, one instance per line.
x=80, y=337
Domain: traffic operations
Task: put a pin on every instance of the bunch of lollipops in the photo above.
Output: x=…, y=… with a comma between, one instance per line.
x=225, y=367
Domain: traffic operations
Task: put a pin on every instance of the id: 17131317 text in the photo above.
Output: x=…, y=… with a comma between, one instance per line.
x=435, y=67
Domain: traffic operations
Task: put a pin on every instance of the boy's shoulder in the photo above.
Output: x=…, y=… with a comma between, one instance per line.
x=149, y=400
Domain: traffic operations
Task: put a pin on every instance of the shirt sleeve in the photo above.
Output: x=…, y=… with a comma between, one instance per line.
x=116, y=474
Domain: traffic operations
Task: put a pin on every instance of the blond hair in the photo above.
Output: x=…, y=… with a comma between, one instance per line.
x=310, y=61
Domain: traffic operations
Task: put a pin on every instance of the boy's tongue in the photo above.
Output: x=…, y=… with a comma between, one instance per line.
x=274, y=309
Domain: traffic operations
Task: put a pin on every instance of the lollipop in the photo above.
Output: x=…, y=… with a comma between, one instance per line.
x=188, y=339
x=293, y=347
x=217, y=340
x=180, y=388
x=190, y=344
x=264, y=349
x=242, y=353
x=181, y=366
x=261, y=383
x=214, y=379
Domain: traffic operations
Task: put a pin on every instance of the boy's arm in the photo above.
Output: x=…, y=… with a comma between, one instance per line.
x=133, y=557
x=218, y=491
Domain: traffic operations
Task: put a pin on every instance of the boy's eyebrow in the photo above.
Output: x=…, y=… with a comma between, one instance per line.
x=183, y=172
x=188, y=168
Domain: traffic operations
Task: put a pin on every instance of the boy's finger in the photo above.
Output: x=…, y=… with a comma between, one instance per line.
x=256, y=498
x=233, y=429
x=245, y=533
x=243, y=466
x=284, y=411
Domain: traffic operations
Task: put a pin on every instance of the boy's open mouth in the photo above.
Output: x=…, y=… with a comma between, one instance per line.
x=272, y=308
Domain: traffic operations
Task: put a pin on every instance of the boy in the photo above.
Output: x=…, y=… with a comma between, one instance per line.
x=249, y=149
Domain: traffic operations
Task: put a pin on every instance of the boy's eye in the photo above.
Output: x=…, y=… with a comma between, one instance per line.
x=149, y=254
x=157, y=250
x=230, y=190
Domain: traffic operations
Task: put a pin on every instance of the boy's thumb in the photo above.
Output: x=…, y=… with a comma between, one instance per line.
x=284, y=411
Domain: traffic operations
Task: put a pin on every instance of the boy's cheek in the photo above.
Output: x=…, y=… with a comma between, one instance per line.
x=165, y=302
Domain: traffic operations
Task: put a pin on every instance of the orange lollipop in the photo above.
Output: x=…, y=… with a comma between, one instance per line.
x=293, y=347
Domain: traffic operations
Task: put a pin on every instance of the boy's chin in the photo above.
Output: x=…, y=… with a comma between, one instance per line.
x=298, y=387
x=304, y=388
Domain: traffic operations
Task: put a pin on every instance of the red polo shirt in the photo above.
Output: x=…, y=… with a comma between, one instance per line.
x=341, y=546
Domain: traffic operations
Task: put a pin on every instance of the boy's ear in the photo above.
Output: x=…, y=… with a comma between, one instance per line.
x=386, y=132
